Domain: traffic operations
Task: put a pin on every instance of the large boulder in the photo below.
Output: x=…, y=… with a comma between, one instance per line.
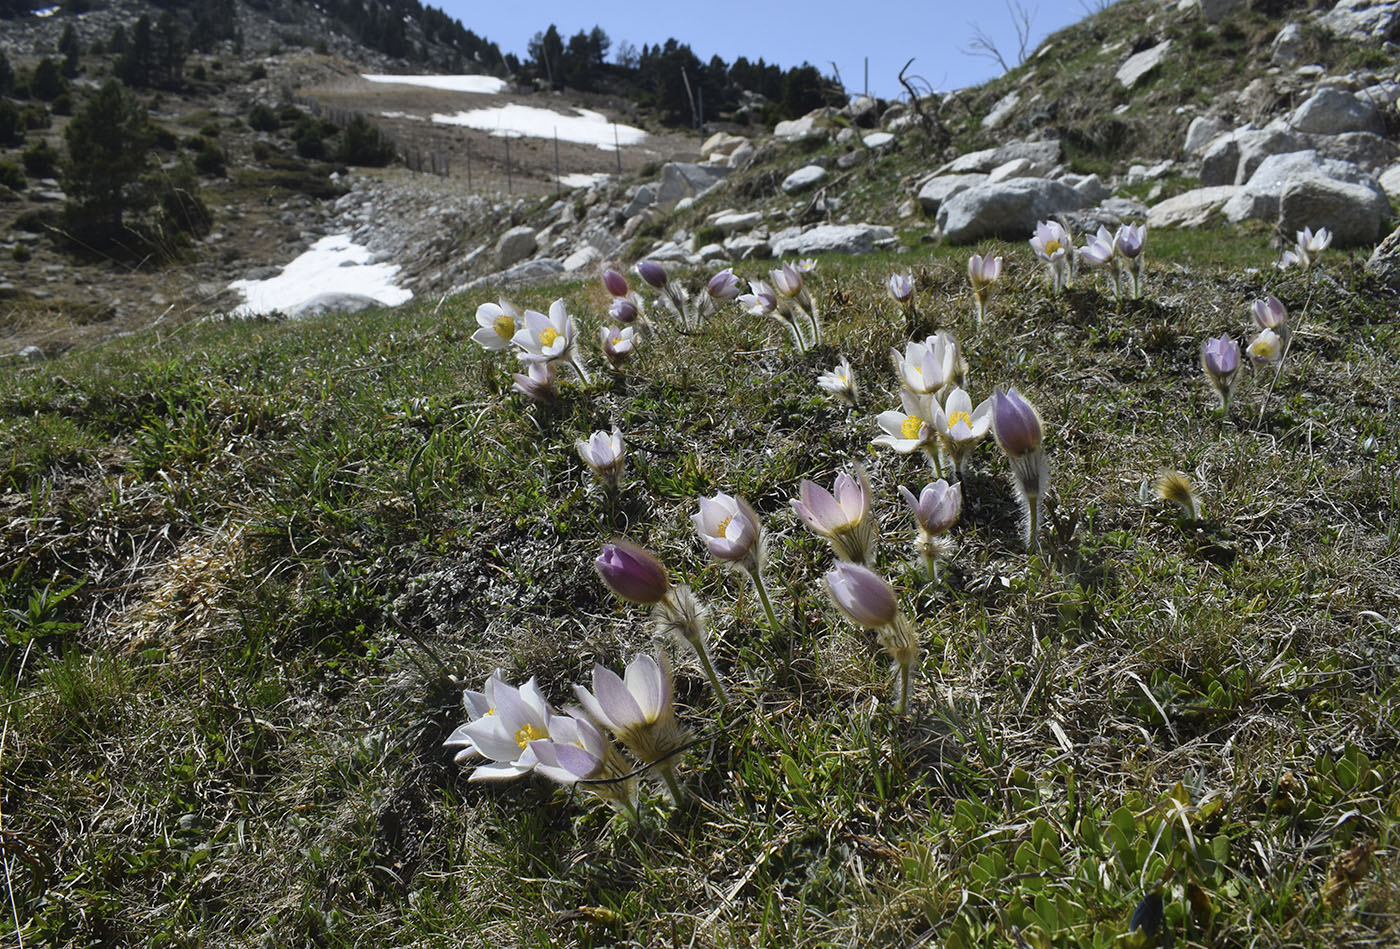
x=685, y=180
x=1369, y=152
x=1287, y=47
x=942, y=187
x=1203, y=130
x=1259, y=198
x=731, y=221
x=1006, y=209
x=1191, y=209
x=803, y=178
x=1385, y=260
x=515, y=245
x=811, y=125
x=1390, y=181
x=643, y=198
x=1332, y=111
x=1219, y=162
x=1258, y=144
x=863, y=111
x=834, y=238
x=1043, y=156
x=1140, y=64
x=1367, y=21
x=1356, y=214
x=719, y=146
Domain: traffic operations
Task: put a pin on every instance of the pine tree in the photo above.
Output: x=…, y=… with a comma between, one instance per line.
x=108, y=142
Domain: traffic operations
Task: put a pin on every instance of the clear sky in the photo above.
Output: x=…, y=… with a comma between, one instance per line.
x=933, y=32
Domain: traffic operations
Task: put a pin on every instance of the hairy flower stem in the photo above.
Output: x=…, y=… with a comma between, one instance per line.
x=1032, y=502
x=702, y=653
x=668, y=774
x=1287, y=345
x=757, y=577
x=578, y=368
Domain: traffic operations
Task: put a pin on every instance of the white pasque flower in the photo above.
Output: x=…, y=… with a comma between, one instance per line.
x=636, y=707
x=841, y=382
x=547, y=338
x=499, y=323
x=604, y=454
x=910, y=430
x=925, y=367
x=618, y=343
x=960, y=426
x=503, y=722
x=728, y=527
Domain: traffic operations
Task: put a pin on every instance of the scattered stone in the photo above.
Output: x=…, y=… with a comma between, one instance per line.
x=719, y=146
x=1016, y=168
x=514, y=246
x=795, y=129
x=31, y=354
x=741, y=155
x=1091, y=186
x=529, y=271
x=685, y=180
x=939, y=189
x=732, y=221
x=1355, y=213
x=1003, y=109
x=1332, y=111
x=1006, y=209
x=850, y=159
x=1287, y=47
x=748, y=247
x=1140, y=64
x=670, y=252
x=1220, y=161
x=711, y=253
x=1390, y=181
x=862, y=110
x=1201, y=132
x=1367, y=151
x=643, y=198
x=332, y=302
x=878, y=140
x=1385, y=260
x=1192, y=209
x=585, y=256
x=803, y=178
x=1367, y=21
x=834, y=239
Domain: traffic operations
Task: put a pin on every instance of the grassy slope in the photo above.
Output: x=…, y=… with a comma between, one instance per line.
x=230, y=732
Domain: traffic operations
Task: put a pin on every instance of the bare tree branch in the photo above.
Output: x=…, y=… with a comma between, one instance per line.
x=985, y=45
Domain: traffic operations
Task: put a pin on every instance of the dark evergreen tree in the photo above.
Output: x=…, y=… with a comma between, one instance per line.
x=71, y=48
x=118, y=43
x=7, y=74
x=108, y=141
x=547, y=52
x=136, y=66
x=169, y=49
x=47, y=81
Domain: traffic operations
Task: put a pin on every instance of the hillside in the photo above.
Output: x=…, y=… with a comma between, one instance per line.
x=257, y=571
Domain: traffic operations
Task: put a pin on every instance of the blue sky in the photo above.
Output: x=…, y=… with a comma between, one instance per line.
x=889, y=32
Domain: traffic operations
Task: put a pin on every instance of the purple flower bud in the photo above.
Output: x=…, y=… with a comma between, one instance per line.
x=632, y=572
x=1015, y=423
x=724, y=285
x=653, y=273
x=1270, y=314
x=937, y=507
x=1129, y=239
x=622, y=309
x=900, y=287
x=862, y=595
x=615, y=283
x=1221, y=357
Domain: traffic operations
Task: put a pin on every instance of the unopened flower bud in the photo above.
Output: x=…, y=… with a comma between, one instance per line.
x=632, y=572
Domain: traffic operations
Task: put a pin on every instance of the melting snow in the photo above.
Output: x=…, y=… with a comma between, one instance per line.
x=587, y=127
x=583, y=179
x=485, y=85
x=333, y=266
x=403, y=115
x=46, y=11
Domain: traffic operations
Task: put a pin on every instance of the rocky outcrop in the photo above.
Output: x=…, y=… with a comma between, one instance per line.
x=1005, y=209
x=832, y=239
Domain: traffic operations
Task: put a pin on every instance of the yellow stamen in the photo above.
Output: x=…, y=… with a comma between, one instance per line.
x=723, y=526
x=504, y=326
x=549, y=335
x=959, y=416
x=1051, y=247
x=911, y=426
x=528, y=733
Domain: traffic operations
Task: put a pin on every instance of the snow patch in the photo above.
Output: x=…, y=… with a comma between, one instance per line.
x=334, y=264
x=46, y=11
x=585, y=128
x=583, y=179
x=403, y=115
x=482, y=85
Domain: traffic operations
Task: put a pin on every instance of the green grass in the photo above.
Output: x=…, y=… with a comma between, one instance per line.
x=242, y=559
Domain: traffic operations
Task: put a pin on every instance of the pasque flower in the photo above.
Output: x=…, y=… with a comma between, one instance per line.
x=503, y=720
x=909, y=430
x=637, y=709
x=618, y=343
x=1266, y=348
x=787, y=280
x=900, y=287
x=498, y=323
x=1270, y=314
x=615, y=283
x=1307, y=248
x=867, y=600
x=622, y=309
x=935, y=510
x=578, y=751
x=960, y=426
x=652, y=273
x=982, y=273
x=539, y=382
x=1053, y=244
x=1221, y=360
x=603, y=453
x=633, y=573
x=760, y=300
x=1129, y=243
x=841, y=382
x=549, y=338
x=841, y=516
x=724, y=285
x=925, y=367
x=1019, y=432
x=732, y=534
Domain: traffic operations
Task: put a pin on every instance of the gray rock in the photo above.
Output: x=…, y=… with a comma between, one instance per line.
x=685, y=180
x=1016, y=168
x=1043, y=156
x=1259, y=144
x=671, y=252
x=878, y=140
x=795, y=129
x=31, y=354
x=331, y=302
x=748, y=247
x=1140, y=64
x=862, y=110
x=733, y=221
x=845, y=136
x=1091, y=186
x=1368, y=152
x=514, y=246
x=1220, y=161
x=1332, y=111
x=529, y=271
x=937, y=190
x=1002, y=110
x=850, y=159
x=1385, y=260
x=1201, y=132
x=711, y=253
x=803, y=178
x=1287, y=47
x=740, y=156
x=1259, y=198
x=1355, y=213
x=1390, y=181
x=585, y=256
x=721, y=145
x=834, y=239
x=1191, y=209
x=1362, y=20
x=1215, y=10
x=1006, y=209
x=644, y=198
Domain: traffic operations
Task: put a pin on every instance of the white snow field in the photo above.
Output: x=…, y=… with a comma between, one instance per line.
x=334, y=267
